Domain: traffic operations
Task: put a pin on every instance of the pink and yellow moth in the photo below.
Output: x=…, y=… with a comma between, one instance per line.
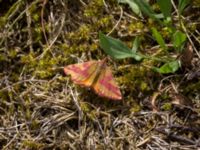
x=97, y=75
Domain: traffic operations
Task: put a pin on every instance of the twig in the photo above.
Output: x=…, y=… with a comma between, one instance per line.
x=175, y=137
x=54, y=40
x=42, y=21
x=105, y=4
x=28, y=18
x=18, y=18
x=121, y=14
x=80, y=112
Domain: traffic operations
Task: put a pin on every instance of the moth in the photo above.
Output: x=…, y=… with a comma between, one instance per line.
x=96, y=75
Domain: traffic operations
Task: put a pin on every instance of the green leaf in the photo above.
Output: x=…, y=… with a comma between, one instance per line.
x=159, y=16
x=182, y=4
x=146, y=8
x=178, y=39
x=133, y=6
x=116, y=49
x=169, y=67
x=159, y=38
x=166, y=7
x=136, y=44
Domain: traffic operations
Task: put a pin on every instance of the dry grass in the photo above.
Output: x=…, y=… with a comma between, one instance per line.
x=41, y=109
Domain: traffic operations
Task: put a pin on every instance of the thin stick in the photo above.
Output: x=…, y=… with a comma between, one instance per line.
x=121, y=14
x=42, y=21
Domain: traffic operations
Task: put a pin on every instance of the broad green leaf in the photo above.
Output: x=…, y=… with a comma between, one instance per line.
x=169, y=67
x=178, y=39
x=136, y=44
x=116, y=49
x=159, y=38
x=182, y=4
x=133, y=6
x=165, y=7
x=146, y=8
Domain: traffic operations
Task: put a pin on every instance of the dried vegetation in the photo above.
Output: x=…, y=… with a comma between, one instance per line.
x=41, y=109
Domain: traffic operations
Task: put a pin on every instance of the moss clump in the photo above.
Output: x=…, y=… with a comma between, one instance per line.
x=136, y=27
x=2, y=22
x=85, y=107
x=83, y=32
x=135, y=78
x=195, y=87
x=167, y=107
x=28, y=144
x=94, y=8
x=13, y=53
x=104, y=23
x=166, y=32
x=135, y=108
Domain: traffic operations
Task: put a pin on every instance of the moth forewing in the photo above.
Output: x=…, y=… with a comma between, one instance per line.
x=83, y=73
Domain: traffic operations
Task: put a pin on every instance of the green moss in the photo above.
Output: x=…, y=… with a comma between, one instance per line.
x=28, y=144
x=135, y=108
x=166, y=106
x=135, y=78
x=192, y=27
x=3, y=57
x=2, y=21
x=195, y=87
x=44, y=67
x=92, y=115
x=150, y=23
x=83, y=47
x=47, y=62
x=26, y=59
x=64, y=47
x=165, y=96
x=37, y=34
x=93, y=8
x=136, y=27
x=43, y=74
x=35, y=124
x=4, y=95
x=105, y=20
x=36, y=17
x=93, y=47
x=11, y=110
x=14, y=76
x=35, y=12
x=103, y=23
x=83, y=32
x=28, y=113
x=166, y=32
x=13, y=53
x=144, y=86
x=155, y=7
x=85, y=107
x=33, y=8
